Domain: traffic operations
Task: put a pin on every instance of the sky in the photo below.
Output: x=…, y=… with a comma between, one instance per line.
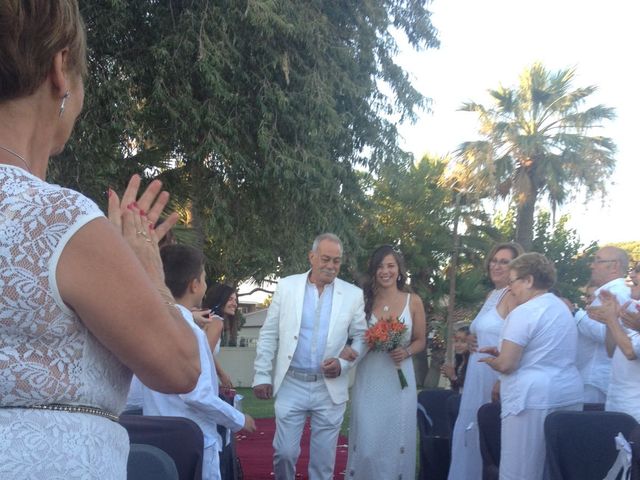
x=487, y=43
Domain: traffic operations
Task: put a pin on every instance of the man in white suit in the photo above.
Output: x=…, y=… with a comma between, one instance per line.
x=310, y=319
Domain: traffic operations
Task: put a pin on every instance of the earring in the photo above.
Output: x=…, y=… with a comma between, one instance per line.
x=64, y=99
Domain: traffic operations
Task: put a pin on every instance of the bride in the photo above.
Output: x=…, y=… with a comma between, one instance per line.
x=382, y=427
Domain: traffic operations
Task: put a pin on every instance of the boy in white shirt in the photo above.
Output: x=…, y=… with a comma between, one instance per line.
x=185, y=277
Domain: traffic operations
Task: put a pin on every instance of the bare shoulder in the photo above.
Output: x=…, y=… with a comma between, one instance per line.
x=416, y=301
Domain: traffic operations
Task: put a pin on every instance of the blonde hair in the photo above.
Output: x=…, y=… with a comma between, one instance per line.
x=32, y=32
x=538, y=266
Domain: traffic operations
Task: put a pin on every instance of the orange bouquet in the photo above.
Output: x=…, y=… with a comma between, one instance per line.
x=387, y=335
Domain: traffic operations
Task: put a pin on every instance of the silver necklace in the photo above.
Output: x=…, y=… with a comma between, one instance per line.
x=19, y=156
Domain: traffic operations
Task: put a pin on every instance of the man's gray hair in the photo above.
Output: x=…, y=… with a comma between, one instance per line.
x=332, y=237
x=622, y=257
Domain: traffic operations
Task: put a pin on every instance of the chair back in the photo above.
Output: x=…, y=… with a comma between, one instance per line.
x=435, y=434
x=147, y=462
x=453, y=407
x=634, y=440
x=179, y=437
x=581, y=445
x=489, y=431
x=593, y=407
x=434, y=405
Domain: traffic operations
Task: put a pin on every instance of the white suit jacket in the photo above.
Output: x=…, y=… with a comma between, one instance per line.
x=279, y=334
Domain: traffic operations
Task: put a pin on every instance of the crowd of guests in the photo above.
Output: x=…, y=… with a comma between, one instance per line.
x=67, y=354
x=549, y=355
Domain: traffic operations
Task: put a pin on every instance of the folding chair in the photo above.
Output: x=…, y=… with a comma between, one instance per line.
x=435, y=434
x=489, y=431
x=581, y=445
x=147, y=462
x=179, y=437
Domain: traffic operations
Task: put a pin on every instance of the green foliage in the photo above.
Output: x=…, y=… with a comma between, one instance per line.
x=409, y=209
x=254, y=114
x=537, y=144
x=632, y=248
x=571, y=258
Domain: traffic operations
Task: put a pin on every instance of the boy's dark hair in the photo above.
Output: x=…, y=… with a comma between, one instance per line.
x=181, y=264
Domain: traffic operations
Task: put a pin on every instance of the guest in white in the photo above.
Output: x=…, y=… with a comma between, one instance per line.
x=308, y=323
x=537, y=363
x=481, y=382
x=623, y=344
x=608, y=271
x=185, y=277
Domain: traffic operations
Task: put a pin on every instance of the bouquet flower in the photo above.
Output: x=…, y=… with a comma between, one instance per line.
x=386, y=335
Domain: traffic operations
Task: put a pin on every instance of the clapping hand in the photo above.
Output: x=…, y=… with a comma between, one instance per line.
x=607, y=311
x=631, y=319
x=149, y=207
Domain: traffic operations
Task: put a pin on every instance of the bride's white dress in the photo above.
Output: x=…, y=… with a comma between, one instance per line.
x=382, y=426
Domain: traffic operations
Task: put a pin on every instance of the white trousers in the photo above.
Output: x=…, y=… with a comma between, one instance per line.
x=523, y=448
x=211, y=463
x=594, y=395
x=294, y=402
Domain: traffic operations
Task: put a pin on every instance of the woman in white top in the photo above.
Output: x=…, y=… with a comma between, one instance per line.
x=537, y=362
x=623, y=345
x=79, y=309
x=480, y=380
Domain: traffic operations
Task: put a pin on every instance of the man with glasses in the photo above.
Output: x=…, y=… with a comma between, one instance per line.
x=608, y=272
x=308, y=323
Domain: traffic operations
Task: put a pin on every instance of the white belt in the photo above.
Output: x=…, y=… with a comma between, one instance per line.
x=304, y=376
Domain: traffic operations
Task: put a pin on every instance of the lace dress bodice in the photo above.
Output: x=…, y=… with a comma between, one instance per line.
x=47, y=355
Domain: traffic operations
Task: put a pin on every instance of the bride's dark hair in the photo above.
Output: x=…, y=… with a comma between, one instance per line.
x=370, y=287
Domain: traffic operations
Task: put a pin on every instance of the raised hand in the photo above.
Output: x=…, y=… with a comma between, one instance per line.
x=150, y=205
x=607, y=311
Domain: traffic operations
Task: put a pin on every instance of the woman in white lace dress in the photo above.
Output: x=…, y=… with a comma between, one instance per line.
x=79, y=308
x=466, y=462
x=382, y=428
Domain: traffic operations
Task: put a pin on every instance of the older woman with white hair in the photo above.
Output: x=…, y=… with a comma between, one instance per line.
x=537, y=362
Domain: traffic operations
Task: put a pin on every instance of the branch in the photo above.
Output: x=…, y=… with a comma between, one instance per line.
x=257, y=289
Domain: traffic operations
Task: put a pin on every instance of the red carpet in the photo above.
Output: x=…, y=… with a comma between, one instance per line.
x=256, y=452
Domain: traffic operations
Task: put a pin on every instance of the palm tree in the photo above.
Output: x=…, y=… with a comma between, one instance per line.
x=537, y=144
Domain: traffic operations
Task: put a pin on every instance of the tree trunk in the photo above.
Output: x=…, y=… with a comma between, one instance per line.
x=453, y=268
x=524, y=221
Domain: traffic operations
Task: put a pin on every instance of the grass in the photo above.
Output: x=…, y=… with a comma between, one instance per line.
x=264, y=408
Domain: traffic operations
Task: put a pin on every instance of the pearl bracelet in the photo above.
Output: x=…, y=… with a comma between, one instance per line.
x=408, y=350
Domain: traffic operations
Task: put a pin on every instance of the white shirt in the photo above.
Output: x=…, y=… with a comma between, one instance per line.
x=546, y=376
x=593, y=362
x=202, y=404
x=314, y=328
x=624, y=387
